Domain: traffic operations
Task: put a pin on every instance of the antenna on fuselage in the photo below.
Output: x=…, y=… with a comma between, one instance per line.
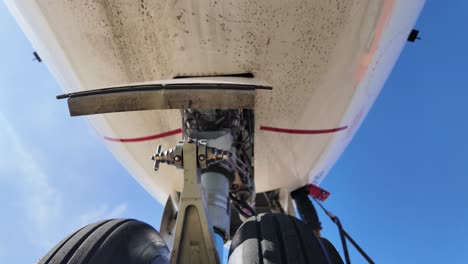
x=36, y=57
x=413, y=36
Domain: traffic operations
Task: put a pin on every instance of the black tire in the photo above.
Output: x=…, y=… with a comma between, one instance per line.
x=276, y=238
x=111, y=241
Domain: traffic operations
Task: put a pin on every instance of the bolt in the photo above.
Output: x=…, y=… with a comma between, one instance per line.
x=201, y=157
x=177, y=158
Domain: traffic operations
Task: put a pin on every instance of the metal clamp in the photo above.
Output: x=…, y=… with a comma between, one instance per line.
x=206, y=156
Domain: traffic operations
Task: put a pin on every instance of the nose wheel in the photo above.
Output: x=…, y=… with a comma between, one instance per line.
x=276, y=238
x=118, y=241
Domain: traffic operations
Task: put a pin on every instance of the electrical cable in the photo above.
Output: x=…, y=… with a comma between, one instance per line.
x=242, y=204
x=240, y=211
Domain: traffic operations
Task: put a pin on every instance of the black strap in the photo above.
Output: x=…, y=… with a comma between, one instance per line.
x=305, y=208
x=344, y=235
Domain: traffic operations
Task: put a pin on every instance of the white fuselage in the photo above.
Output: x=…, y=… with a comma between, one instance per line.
x=326, y=61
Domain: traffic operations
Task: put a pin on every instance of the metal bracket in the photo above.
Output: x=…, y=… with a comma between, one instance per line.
x=317, y=192
x=168, y=221
x=286, y=202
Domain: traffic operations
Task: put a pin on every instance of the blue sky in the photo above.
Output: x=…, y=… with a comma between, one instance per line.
x=399, y=188
x=55, y=173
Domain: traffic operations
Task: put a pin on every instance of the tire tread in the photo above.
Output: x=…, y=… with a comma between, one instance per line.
x=274, y=239
x=110, y=241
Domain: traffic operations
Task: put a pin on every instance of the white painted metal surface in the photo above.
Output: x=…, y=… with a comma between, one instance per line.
x=326, y=62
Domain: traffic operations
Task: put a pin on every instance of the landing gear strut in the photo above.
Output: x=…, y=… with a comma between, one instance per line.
x=204, y=200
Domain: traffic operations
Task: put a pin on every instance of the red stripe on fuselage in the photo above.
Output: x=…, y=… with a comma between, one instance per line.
x=302, y=131
x=366, y=59
x=265, y=128
x=152, y=137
